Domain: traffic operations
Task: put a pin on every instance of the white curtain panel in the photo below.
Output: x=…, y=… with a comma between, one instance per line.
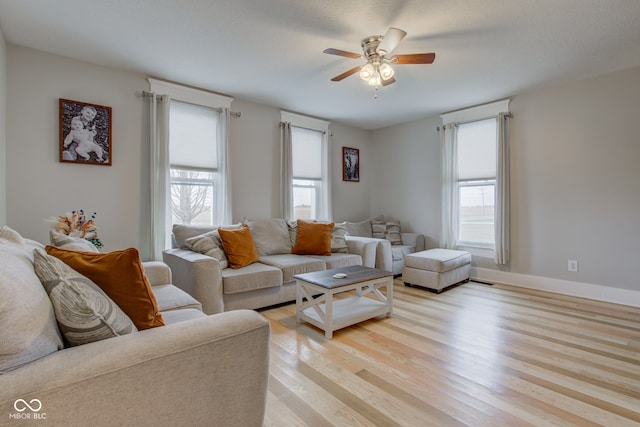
x=327, y=208
x=449, y=162
x=502, y=192
x=159, y=168
x=286, y=177
x=223, y=193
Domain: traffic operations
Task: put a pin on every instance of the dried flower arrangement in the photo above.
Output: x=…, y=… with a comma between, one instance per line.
x=76, y=224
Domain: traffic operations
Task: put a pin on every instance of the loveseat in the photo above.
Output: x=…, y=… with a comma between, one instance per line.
x=195, y=370
x=392, y=245
x=201, y=269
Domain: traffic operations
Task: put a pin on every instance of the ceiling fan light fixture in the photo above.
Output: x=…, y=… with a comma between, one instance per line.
x=366, y=72
x=375, y=80
x=386, y=71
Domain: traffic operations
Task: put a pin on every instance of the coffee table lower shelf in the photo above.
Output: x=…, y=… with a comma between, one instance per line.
x=346, y=312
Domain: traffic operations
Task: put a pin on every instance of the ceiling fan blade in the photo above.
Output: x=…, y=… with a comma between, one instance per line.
x=346, y=74
x=414, y=58
x=344, y=53
x=389, y=81
x=391, y=40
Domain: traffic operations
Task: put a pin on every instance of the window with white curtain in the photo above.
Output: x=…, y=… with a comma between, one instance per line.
x=193, y=163
x=476, y=183
x=188, y=159
x=305, y=168
x=475, y=180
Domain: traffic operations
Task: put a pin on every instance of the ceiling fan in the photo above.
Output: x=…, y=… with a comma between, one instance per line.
x=377, y=51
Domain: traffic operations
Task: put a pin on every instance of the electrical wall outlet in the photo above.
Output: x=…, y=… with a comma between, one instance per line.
x=573, y=265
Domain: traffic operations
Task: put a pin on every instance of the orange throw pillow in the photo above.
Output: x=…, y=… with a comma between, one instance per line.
x=121, y=276
x=314, y=238
x=238, y=246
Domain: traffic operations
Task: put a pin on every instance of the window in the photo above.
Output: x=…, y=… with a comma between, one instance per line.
x=188, y=161
x=307, y=188
x=475, y=180
x=193, y=163
x=307, y=147
x=476, y=154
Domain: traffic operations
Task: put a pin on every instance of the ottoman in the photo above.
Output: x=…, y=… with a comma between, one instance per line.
x=436, y=269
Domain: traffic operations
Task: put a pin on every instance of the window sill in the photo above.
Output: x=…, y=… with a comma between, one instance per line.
x=477, y=251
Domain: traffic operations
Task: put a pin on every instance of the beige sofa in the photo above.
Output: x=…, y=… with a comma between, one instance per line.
x=197, y=370
x=265, y=283
x=390, y=250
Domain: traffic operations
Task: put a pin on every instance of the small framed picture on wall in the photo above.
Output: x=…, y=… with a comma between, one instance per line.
x=350, y=164
x=85, y=133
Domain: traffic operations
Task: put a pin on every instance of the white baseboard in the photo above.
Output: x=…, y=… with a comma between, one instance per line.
x=565, y=287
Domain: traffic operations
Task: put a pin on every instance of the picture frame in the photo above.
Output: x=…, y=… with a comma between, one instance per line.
x=350, y=164
x=85, y=133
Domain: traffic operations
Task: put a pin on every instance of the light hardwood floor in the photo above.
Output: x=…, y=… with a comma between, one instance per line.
x=475, y=355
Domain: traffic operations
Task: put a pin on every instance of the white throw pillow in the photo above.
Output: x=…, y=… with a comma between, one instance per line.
x=61, y=240
x=28, y=329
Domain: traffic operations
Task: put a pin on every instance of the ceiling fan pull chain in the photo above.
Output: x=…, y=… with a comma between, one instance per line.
x=375, y=94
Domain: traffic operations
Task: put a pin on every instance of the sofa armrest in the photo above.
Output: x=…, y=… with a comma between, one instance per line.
x=208, y=370
x=198, y=275
x=157, y=272
x=413, y=239
x=366, y=250
x=384, y=258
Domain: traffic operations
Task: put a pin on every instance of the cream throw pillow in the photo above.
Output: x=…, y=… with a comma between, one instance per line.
x=208, y=244
x=28, y=329
x=61, y=240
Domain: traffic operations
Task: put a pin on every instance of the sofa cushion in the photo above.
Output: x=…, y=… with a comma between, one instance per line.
x=28, y=329
x=339, y=260
x=83, y=311
x=271, y=236
x=292, y=264
x=238, y=246
x=314, y=238
x=360, y=229
x=208, y=244
x=170, y=297
x=250, y=278
x=181, y=232
x=382, y=228
x=120, y=275
x=176, y=316
x=338, y=236
x=338, y=241
x=398, y=252
x=61, y=240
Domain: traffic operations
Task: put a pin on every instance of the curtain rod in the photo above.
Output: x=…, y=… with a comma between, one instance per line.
x=302, y=127
x=507, y=115
x=237, y=115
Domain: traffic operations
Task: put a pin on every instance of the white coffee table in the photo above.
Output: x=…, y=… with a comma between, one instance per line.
x=315, y=303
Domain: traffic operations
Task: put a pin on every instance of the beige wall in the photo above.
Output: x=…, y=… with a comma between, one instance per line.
x=407, y=184
x=42, y=187
x=575, y=173
x=574, y=167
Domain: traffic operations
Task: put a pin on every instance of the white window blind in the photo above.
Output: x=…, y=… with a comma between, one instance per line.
x=477, y=150
x=192, y=135
x=306, y=153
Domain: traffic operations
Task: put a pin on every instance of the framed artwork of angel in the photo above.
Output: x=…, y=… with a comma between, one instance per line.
x=85, y=133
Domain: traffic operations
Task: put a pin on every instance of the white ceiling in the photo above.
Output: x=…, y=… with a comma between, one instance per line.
x=270, y=51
